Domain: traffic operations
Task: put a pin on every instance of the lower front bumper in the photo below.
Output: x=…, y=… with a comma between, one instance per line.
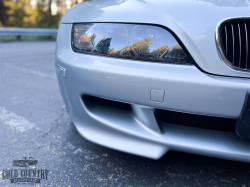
x=137, y=131
x=186, y=89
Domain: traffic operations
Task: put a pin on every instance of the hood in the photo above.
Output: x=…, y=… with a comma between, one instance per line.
x=193, y=21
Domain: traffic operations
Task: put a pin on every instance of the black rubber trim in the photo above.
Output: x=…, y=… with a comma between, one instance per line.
x=242, y=127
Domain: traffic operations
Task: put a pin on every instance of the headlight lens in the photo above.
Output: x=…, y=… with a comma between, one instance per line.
x=141, y=42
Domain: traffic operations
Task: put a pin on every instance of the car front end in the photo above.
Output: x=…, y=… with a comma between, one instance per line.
x=195, y=100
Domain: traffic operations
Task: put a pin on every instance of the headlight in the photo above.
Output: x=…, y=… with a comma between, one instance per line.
x=141, y=42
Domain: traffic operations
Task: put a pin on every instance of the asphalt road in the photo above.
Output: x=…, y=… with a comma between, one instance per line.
x=34, y=122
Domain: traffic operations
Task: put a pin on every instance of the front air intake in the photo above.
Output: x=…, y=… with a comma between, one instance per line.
x=233, y=42
x=195, y=120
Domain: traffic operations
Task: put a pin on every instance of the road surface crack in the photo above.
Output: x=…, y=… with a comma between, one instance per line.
x=57, y=123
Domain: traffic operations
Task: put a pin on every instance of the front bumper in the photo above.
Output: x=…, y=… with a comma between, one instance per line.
x=186, y=90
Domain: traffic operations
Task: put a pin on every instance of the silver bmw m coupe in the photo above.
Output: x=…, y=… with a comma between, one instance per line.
x=149, y=76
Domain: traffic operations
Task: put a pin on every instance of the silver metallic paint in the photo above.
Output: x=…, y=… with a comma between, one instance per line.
x=193, y=21
x=186, y=89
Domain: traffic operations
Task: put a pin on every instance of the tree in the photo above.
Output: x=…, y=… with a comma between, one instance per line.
x=16, y=13
x=3, y=13
x=20, y=13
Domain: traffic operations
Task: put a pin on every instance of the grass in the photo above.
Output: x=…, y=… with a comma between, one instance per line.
x=23, y=38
